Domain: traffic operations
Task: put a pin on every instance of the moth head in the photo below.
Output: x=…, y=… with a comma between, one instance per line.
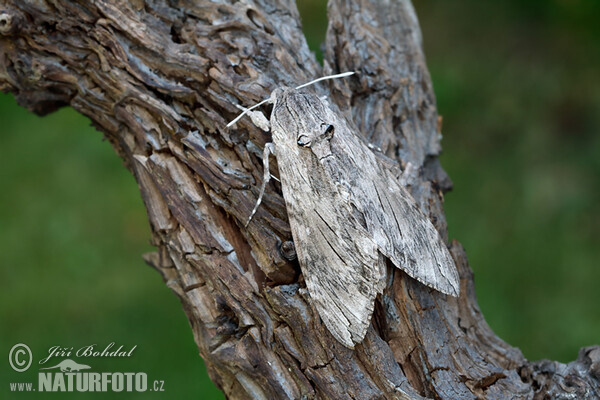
x=305, y=119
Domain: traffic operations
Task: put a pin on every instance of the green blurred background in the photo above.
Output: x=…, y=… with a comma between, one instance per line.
x=518, y=84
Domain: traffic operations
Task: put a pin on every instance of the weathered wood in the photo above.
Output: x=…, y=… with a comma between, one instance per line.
x=161, y=80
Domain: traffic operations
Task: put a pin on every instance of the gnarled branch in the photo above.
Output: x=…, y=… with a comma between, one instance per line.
x=161, y=79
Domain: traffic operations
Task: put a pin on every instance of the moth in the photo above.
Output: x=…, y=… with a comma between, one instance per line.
x=347, y=213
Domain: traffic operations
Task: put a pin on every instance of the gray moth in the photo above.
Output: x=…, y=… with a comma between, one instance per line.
x=347, y=213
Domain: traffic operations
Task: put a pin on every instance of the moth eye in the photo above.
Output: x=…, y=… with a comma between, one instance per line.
x=303, y=141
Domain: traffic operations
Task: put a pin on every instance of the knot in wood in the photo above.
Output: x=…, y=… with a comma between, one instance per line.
x=594, y=359
x=8, y=22
x=288, y=250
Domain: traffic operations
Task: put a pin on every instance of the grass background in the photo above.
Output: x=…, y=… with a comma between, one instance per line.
x=519, y=88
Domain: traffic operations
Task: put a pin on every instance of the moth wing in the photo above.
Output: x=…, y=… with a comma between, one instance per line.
x=342, y=266
x=407, y=236
x=402, y=231
x=343, y=287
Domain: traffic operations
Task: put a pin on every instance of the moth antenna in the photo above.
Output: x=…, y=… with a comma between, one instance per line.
x=246, y=111
x=323, y=78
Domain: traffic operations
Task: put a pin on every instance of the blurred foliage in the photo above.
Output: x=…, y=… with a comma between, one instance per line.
x=519, y=89
x=72, y=232
x=518, y=85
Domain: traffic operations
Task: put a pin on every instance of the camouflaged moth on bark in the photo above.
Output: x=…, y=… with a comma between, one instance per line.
x=347, y=214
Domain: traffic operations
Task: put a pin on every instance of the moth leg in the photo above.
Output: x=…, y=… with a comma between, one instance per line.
x=269, y=149
x=258, y=119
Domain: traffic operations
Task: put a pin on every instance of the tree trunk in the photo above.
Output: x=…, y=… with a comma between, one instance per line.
x=161, y=79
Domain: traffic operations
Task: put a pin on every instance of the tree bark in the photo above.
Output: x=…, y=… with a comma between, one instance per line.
x=161, y=79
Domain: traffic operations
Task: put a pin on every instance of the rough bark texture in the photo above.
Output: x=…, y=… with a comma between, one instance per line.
x=149, y=72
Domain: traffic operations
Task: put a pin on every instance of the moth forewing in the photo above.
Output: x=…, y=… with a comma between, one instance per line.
x=403, y=233
x=339, y=260
x=363, y=193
